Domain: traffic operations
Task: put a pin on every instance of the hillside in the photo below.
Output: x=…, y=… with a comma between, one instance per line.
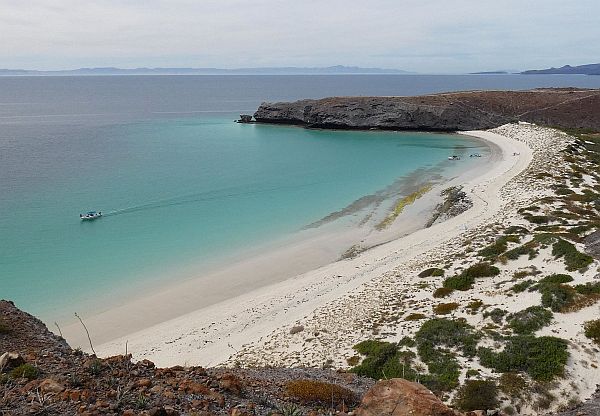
x=472, y=110
x=590, y=69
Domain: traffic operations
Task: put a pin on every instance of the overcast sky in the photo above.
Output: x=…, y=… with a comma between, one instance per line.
x=437, y=36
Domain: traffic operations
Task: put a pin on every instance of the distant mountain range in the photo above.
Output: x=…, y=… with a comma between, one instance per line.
x=590, y=69
x=330, y=70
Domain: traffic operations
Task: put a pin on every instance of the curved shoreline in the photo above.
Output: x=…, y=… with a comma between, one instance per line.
x=210, y=335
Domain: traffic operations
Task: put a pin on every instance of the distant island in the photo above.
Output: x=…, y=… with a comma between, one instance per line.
x=589, y=69
x=330, y=70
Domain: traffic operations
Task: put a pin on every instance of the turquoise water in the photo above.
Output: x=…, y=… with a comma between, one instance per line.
x=178, y=191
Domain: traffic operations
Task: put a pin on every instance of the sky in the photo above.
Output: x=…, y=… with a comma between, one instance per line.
x=429, y=36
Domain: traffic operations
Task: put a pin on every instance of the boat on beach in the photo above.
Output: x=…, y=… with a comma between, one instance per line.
x=90, y=215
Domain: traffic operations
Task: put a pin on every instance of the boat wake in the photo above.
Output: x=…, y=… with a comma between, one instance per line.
x=202, y=197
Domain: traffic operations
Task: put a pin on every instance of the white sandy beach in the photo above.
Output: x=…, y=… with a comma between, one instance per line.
x=210, y=335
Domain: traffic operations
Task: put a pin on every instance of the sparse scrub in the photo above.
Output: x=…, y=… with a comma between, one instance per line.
x=482, y=269
x=592, y=330
x=442, y=292
x=499, y=247
x=25, y=371
x=432, y=272
x=512, y=384
x=477, y=395
x=383, y=360
x=529, y=320
x=445, y=308
x=459, y=282
x=574, y=259
x=522, y=286
x=415, y=317
x=496, y=315
x=433, y=339
x=543, y=358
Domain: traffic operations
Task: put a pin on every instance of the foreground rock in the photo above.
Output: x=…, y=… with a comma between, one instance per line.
x=41, y=374
x=473, y=110
x=398, y=397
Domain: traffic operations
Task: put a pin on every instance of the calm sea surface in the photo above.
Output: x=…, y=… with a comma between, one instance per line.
x=179, y=182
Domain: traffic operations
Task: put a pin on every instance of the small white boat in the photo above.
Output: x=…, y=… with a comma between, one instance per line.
x=91, y=215
x=454, y=157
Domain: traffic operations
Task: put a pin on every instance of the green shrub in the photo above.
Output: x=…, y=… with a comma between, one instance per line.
x=592, y=330
x=516, y=229
x=319, y=392
x=557, y=297
x=459, y=282
x=477, y=395
x=574, y=259
x=538, y=219
x=556, y=279
x=384, y=360
x=25, y=371
x=445, y=308
x=442, y=292
x=522, y=286
x=433, y=340
x=588, y=288
x=526, y=249
x=432, y=272
x=543, y=358
x=499, y=246
x=512, y=384
x=482, y=269
x=529, y=320
x=496, y=315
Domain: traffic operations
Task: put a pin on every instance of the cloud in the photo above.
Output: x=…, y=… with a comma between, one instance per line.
x=429, y=35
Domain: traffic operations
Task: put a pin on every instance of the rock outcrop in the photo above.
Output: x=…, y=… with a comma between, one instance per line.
x=41, y=374
x=398, y=397
x=473, y=110
x=592, y=244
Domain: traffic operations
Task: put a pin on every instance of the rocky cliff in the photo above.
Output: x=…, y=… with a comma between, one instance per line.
x=473, y=110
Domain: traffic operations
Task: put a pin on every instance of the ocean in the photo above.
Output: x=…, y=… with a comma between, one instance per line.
x=182, y=186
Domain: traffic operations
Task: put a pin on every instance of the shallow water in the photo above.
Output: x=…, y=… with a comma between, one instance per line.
x=178, y=181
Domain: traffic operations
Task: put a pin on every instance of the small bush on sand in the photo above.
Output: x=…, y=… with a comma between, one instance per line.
x=442, y=292
x=319, y=392
x=512, y=384
x=434, y=271
x=434, y=339
x=592, y=330
x=496, y=315
x=522, y=286
x=482, y=269
x=445, y=308
x=529, y=320
x=557, y=297
x=543, y=358
x=384, y=360
x=415, y=317
x=574, y=259
x=477, y=395
x=459, y=282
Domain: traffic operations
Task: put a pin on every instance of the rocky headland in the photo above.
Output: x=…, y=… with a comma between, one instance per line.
x=472, y=110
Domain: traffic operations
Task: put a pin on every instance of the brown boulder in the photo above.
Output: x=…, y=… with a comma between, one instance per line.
x=398, y=397
x=51, y=386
